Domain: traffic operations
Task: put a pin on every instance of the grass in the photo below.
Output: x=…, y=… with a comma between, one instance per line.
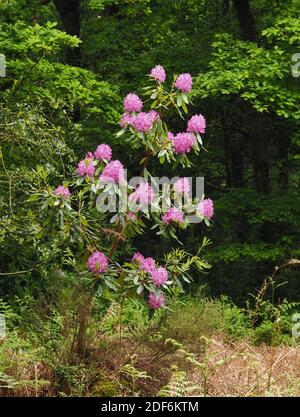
x=202, y=347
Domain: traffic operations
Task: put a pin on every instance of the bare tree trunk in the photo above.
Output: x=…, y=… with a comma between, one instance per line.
x=237, y=162
x=245, y=18
x=261, y=176
x=83, y=317
x=226, y=151
x=226, y=7
x=69, y=11
x=283, y=144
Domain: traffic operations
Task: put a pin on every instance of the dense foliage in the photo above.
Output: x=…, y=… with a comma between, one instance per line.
x=69, y=65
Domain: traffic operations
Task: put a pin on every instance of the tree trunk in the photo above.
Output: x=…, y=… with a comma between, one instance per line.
x=237, y=162
x=233, y=152
x=259, y=140
x=245, y=18
x=83, y=318
x=69, y=11
x=261, y=176
x=226, y=7
x=283, y=145
x=227, y=152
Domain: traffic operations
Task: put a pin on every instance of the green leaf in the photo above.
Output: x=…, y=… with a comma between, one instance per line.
x=184, y=107
x=120, y=132
x=140, y=289
x=162, y=159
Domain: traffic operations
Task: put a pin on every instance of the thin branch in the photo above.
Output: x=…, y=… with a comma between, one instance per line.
x=16, y=273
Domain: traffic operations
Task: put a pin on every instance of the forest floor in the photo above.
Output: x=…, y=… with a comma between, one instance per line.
x=215, y=355
x=224, y=368
x=240, y=369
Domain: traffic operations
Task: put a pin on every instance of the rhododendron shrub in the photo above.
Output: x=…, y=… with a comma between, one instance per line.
x=92, y=237
x=149, y=129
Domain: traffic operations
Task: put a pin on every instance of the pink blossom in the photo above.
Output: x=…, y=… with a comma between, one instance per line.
x=143, y=194
x=63, y=191
x=182, y=186
x=184, y=82
x=159, y=276
x=206, y=208
x=89, y=155
x=97, y=263
x=126, y=120
x=171, y=136
x=183, y=143
x=197, y=123
x=132, y=216
x=86, y=166
x=147, y=264
x=156, y=301
x=158, y=73
x=132, y=102
x=113, y=172
x=153, y=115
x=137, y=257
x=103, y=151
x=173, y=215
x=143, y=122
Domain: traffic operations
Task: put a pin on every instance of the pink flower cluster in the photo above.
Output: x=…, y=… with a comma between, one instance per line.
x=171, y=136
x=86, y=167
x=183, y=142
x=156, y=301
x=147, y=265
x=206, y=208
x=173, y=215
x=113, y=172
x=103, y=152
x=143, y=193
x=127, y=119
x=182, y=186
x=143, y=121
x=159, y=277
x=137, y=257
x=197, y=124
x=132, y=103
x=158, y=73
x=184, y=82
x=97, y=263
x=62, y=191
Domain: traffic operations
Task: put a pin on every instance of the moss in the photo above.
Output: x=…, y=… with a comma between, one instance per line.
x=105, y=387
